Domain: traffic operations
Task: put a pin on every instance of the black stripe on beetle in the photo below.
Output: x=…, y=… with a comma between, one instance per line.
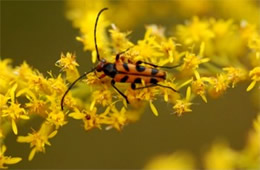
x=138, y=80
x=140, y=68
x=153, y=81
x=125, y=65
x=154, y=71
x=124, y=79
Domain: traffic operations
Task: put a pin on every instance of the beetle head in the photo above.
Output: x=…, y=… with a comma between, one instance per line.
x=101, y=65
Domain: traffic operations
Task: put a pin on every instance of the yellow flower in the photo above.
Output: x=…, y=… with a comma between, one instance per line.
x=146, y=94
x=221, y=27
x=120, y=41
x=117, y=119
x=220, y=157
x=255, y=76
x=147, y=48
x=90, y=118
x=235, y=75
x=194, y=31
x=169, y=49
x=39, y=139
x=199, y=86
x=103, y=97
x=157, y=31
x=56, y=117
x=68, y=64
x=168, y=94
x=254, y=43
x=57, y=85
x=192, y=61
x=39, y=84
x=182, y=106
x=14, y=111
x=219, y=85
x=250, y=155
x=87, y=31
x=5, y=76
x=7, y=159
x=92, y=79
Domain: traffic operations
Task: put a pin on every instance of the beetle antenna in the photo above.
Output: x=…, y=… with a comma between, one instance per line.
x=72, y=84
x=95, y=32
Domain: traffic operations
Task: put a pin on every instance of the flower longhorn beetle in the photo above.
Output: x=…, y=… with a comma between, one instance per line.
x=124, y=72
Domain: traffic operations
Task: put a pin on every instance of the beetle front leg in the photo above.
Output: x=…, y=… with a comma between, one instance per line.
x=122, y=94
x=118, y=55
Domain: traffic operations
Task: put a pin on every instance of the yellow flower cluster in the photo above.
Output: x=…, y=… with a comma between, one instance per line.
x=26, y=93
x=212, y=55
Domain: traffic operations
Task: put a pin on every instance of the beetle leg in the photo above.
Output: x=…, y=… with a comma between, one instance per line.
x=122, y=94
x=155, y=66
x=118, y=55
x=168, y=87
x=133, y=86
x=153, y=85
x=102, y=76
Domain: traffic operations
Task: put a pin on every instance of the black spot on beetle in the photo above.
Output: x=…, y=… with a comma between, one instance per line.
x=124, y=79
x=138, y=80
x=153, y=81
x=125, y=65
x=140, y=68
x=154, y=71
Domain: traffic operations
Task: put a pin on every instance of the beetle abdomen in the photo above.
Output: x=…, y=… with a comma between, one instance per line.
x=133, y=69
x=130, y=78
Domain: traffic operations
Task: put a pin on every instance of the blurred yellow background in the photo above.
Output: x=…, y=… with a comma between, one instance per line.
x=37, y=32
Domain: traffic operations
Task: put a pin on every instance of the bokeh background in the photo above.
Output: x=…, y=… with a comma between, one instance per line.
x=38, y=31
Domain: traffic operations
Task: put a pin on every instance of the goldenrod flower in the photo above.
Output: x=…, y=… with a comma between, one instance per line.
x=103, y=97
x=14, y=111
x=208, y=62
x=36, y=105
x=235, y=75
x=222, y=27
x=7, y=159
x=192, y=61
x=200, y=85
x=120, y=41
x=182, y=106
x=255, y=76
x=220, y=157
x=5, y=76
x=68, y=64
x=219, y=85
x=117, y=119
x=195, y=31
x=90, y=117
x=38, y=139
x=169, y=48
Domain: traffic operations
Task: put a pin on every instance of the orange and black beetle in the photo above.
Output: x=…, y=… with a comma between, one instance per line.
x=125, y=72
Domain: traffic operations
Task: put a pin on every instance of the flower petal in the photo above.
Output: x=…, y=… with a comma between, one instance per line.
x=153, y=108
x=251, y=86
x=14, y=127
x=32, y=153
x=13, y=160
